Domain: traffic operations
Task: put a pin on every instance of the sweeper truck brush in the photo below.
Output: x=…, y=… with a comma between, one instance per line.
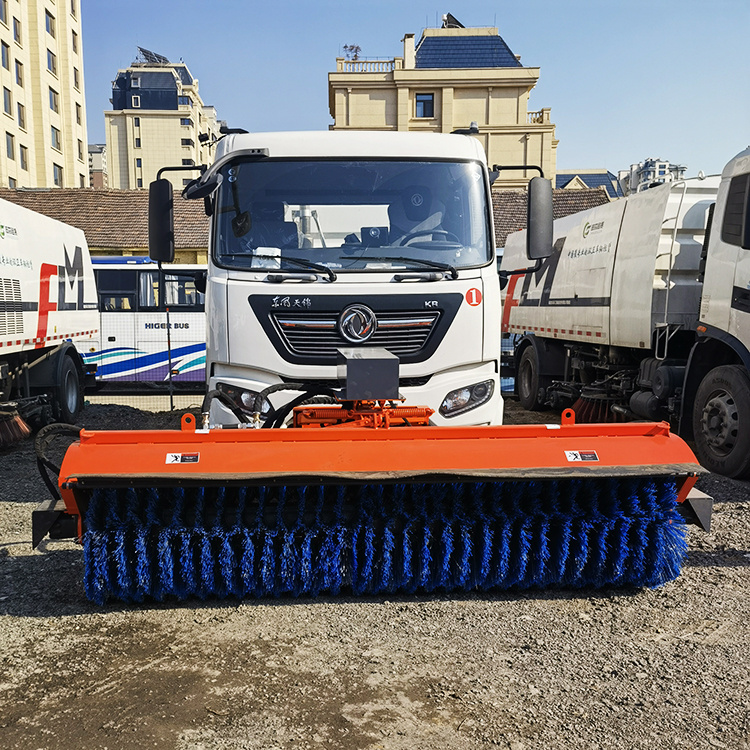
x=394, y=508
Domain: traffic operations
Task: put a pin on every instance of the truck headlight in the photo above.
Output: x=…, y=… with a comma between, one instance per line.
x=243, y=398
x=464, y=399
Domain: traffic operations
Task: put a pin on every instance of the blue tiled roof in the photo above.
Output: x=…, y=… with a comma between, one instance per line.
x=593, y=180
x=156, y=89
x=184, y=74
x=150, y=80
x=465, y=52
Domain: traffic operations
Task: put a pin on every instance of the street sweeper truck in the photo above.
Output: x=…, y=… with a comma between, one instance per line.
x=48, y=313
x=349, y=438
x=643, y=312
x=324, y=241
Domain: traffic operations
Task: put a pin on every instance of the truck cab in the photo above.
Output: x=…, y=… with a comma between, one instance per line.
x=357, y=240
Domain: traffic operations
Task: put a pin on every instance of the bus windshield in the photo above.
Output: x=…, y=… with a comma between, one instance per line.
x=366, y=215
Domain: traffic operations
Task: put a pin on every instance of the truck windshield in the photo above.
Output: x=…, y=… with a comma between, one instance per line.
x=368, y=215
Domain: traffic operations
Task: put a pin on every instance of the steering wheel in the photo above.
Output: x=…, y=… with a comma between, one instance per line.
x=445, y=236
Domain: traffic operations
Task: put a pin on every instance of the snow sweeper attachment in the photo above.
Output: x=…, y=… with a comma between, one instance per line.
x=367, y=497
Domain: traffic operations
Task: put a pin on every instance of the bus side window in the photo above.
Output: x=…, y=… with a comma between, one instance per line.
x=148, y=289
x=181, y=292
x=116, y=303
x=116, y=289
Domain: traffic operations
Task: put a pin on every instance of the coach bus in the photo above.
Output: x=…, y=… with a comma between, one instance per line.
x=152, y=326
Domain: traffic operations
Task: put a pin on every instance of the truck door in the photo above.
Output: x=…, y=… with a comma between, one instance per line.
x=725, y=304
x=117, y=306
x=739, y=314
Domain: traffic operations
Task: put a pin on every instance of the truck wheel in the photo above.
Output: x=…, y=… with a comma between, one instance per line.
x=68, y=401
x=721, y=421
x=528, y=380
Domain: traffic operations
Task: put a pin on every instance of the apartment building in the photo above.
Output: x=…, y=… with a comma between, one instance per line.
x=648, y=173
x=158, y=119
x=453, y=79
x=98, y=166
x=43, y=103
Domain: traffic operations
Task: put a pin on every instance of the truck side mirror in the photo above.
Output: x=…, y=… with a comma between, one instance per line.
x=201, y=281
x=539, y=219
x=202, y=188
x=161, y=221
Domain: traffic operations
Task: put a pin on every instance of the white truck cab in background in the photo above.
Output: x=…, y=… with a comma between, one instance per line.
x=329, y=240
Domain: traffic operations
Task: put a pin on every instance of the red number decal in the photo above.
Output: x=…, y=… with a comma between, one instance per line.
x=474, y=297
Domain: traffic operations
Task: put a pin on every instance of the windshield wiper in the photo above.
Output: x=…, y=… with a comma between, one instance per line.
x=403, y=259
x=307, y=264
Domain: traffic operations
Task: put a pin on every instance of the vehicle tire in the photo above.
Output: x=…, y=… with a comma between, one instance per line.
x=68, y=400
x=721, y=421
x=527, y=378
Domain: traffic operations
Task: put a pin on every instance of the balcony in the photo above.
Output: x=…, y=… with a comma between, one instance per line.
x=538, y=118
x=368, y=66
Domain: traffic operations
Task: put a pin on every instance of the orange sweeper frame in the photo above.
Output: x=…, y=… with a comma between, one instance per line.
x=365, y=495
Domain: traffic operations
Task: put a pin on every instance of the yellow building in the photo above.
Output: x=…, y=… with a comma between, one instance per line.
x=43, y=102
x=157, y=120
x=452, y=78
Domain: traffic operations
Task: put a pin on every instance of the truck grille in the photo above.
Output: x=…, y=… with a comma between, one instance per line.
x=317, y=334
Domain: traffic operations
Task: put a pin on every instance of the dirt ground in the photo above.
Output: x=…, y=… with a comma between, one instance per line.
x=545, y=669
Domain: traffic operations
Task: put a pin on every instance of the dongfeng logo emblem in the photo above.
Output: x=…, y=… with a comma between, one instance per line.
x=357, y=323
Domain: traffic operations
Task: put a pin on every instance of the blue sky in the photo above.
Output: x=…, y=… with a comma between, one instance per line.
x=625, y=79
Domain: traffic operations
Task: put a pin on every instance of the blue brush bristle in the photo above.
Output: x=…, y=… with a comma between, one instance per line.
x=369, y=539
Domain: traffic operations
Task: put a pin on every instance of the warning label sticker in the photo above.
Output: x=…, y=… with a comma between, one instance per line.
x=581, y=456
x=183, y=458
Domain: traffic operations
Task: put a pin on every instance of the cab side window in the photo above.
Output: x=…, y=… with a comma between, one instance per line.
x=736, y=227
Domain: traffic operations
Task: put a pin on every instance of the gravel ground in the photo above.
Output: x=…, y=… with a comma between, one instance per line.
x=584, y=669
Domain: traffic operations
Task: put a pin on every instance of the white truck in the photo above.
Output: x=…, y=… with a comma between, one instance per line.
x=326, y=240
x=643, y=311
x=48, y=312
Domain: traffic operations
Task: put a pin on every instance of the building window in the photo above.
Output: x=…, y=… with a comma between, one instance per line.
x=10, y=145
x=4, y=11
x=184, y=101
x=73, y=8
x=137, y=142
x=186, y=181
x=187, y=142
x=186, y=121
x=12, y=182
x=57, y=175
x=74, y=40
x=56, y=140
x=7, y=101
x=19, y=73
x=139, y=182
x=49, y=23
x=76, y=79
x=80, y=149
x=21, y=116
x=135, y=82
x=425, y=105
x=136, y=122
x=23, y=154
x=54, y=100
x=6, y=56
x=78, y=113
x=188, y=162
x=81, y=180
x=16, y=31
x=51, y=62
x=138, y=163
x=136, y=102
